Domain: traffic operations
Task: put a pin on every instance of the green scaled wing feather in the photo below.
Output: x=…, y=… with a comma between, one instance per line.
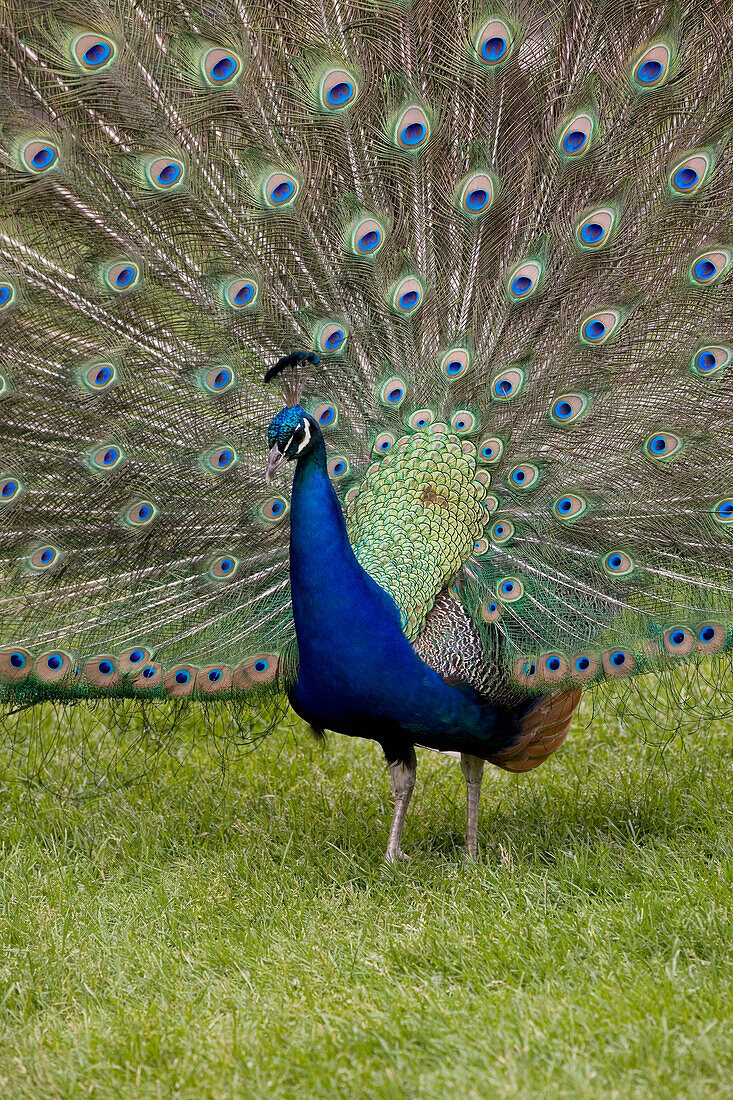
x=505, y=228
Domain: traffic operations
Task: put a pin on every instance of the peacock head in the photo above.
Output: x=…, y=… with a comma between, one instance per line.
x=290, y=435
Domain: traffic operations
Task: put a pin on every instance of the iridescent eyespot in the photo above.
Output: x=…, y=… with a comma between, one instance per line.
x=338, y=90
x=502, y=530
x=599, y=327
x=618, y=564
x=723, y=511
x=54, y=666
x=367, y=237
x=711, y=637
x=509, y=589
x=490, y=450
x=652, y=68
x=351, y=495
x=141, y=514
x=93, y=52
x=570, y=506
x=393, y=392
x=163, y=173
x=223, y=567
x=679, y=642
x=220, y=67
x=411, y=129
x=280, y=189
x=330, y=337
x=524, y=280
x=568, y=408
x=407, y=295
x=709, y=267
x=122, y=276
x=106, y=457
x=576, y=136
x=711, y=359
x=462, y=422
x=99, y=376
x=584, y=666
x=688, y=175
x=493, y=42
x=7, y=294
x=455, y=362
x=480, y=546
x=257, y=670
x=180, y=681
x=618, y=662
x=475, y=194
x=507, y=384
x=274, y=509
x=553, y=667
x=40, y=156
x=383, y=443
x=15, y=664
x=525, y=670
x=595, y=229
x=326, y=415
x=240, y=293
x=133, y=659
x=9, y=489
x=222, y=458
x=421, y=419
x=44, y=557
x=663, y=445
x=483, y=477
x=490, y=611
x=219, y=378
x=338, y=467
x=523, y=476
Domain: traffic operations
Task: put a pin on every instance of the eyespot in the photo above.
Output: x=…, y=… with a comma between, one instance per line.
x=525, y=671
x=149, y=677
x=7, y=295
x=421, y=419
x=576, y=136
x=679, y=642
x=54, y=666
x=280, y=189
x=223, y=458
x=711, y=637
x=618, y=564
x=509, y=589
x=214, y=679
x=107, y=457
x=480, y=546
x=490, y=450
x=163, y=173
x=122, y=276
x=331, y=337
x=568, y=408
x=219, y=378
x=652, y=68
x=383, y=443
x=475, y=194
x=407, y=295
x=133, y=659
x=618, y=662
x=455, y=362
x=326, y=415
x=553, y=667
x=502, y=530
x=490, y=611
x=99, y=376
x=493, y=42
x=15, y=664
x=524, y=281
x=141, y=513
x=711, y=359
x=584, y=667
x=225, y=566
x=570, y=507
x=709, y=267
x=723, y=511
x=367, y=237
x=595, y=229
x=490, y=503
x=688, y=175
x=599, y=327
x=40, y=156
x=101, y=672
x=338, y=467
x=507, y=384
x=663, y=445
x=393, y=392
x=9, y=489
x=260, y=669
x=240, y=293
x=93, y=52
x=462, y=422
x=274, y=509
x=44, y=557
x=411, y=130
x=523, y=476
x=351, y=495
x=220, y=67
x=180, y=681
x=338, y=90
x=483, y=477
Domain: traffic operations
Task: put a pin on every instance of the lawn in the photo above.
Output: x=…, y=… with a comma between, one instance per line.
x=216, y=932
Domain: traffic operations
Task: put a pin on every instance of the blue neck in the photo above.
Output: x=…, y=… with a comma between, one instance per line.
x=358, y=673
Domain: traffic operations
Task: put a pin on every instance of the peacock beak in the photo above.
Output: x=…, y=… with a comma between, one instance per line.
x=275, y=460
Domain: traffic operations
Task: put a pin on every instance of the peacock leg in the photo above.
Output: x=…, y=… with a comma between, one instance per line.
x=403, y=781
x=473, y=771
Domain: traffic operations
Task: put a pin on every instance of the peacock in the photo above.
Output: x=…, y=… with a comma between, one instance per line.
x=464, y=267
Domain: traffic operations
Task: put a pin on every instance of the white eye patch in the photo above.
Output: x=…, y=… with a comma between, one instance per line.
x=306, y=438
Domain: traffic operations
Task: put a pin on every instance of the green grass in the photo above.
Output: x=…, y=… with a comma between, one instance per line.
x=211, y=934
